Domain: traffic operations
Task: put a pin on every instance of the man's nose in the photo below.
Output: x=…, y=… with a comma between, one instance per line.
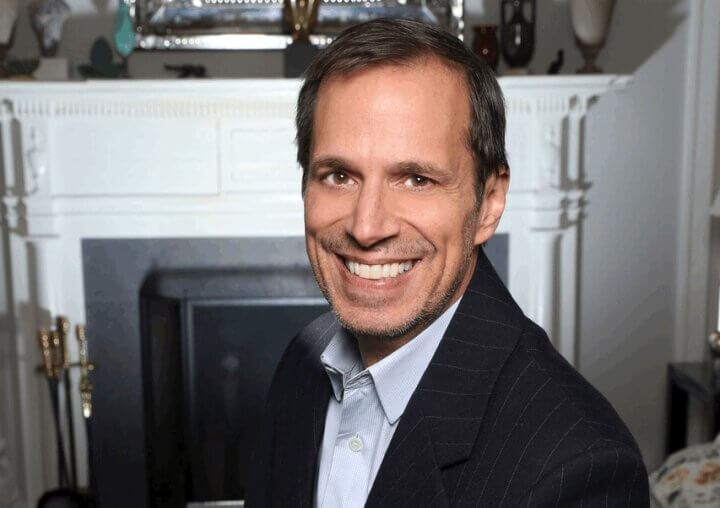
x=373, y=220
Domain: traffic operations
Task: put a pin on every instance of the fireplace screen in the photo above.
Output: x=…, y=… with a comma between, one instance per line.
x=208, y=364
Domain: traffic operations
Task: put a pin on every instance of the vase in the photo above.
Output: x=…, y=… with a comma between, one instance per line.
x=517, y=32
x=46, y=19
x=485, y=44
x=124, y=35
x=591, y=22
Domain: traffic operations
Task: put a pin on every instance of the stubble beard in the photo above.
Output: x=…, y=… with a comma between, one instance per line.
x=427, y=313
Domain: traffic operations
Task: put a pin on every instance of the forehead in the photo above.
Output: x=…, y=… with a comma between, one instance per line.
x=419, y=106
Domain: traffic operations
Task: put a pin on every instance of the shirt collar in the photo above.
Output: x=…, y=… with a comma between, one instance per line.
x=397, y=375
x=341, y=360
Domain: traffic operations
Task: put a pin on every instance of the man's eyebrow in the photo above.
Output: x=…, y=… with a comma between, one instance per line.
x=419, y=167
x=334, y=163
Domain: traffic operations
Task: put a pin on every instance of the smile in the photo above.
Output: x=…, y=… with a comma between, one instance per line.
x=388, y=270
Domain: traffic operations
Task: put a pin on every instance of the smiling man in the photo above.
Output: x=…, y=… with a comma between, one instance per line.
x=426, y=385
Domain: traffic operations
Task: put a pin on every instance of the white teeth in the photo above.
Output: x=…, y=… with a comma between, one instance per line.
x=394, y=270
x=378, y=271
x=364, y=271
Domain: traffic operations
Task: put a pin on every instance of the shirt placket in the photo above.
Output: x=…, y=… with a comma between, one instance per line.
x=351, y=455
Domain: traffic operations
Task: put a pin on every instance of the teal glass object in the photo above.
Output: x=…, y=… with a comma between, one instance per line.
x=124, y=31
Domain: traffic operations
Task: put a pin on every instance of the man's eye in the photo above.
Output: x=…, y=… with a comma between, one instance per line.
x=416, y=181
x=337, y=178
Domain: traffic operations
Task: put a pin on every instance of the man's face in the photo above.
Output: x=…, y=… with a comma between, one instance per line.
x=390, y=207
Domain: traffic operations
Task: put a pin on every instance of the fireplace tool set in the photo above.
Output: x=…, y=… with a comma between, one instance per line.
x=56, y=367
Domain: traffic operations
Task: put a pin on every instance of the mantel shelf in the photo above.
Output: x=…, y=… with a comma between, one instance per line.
x=222, y=86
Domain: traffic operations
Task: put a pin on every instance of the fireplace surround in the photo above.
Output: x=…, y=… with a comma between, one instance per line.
x=215, y=159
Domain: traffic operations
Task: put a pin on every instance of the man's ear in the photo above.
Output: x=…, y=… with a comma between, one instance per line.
x=492, y=205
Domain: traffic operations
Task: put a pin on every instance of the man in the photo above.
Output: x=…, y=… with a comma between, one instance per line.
x=426, y=386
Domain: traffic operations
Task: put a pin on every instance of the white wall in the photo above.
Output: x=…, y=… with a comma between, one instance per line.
x=627, y=281
x=628, y=276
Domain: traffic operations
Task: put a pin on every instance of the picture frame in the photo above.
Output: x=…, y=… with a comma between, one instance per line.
x=263, y=24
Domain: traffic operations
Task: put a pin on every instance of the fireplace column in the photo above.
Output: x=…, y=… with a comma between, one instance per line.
x=558, y=202
x=30, y=254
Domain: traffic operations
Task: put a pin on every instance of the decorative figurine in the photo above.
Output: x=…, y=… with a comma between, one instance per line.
x=47, y=18
x=101, y=62
x=591, y=22
x=8, y=16
x=124, y=32
x=557, y=64
x=485, y=44
x=301, y=17
x=517, y=33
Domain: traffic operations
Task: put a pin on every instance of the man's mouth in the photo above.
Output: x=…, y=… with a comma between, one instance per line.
x=374, y=272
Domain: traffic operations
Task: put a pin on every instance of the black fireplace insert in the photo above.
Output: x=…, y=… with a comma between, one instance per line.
x=211, y=341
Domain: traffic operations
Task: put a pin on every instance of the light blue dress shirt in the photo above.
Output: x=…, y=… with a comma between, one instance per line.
x=365, y=409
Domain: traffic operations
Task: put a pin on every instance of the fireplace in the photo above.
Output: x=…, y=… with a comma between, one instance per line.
x=89, y=165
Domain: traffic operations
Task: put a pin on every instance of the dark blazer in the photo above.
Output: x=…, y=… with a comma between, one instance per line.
x=499, y=419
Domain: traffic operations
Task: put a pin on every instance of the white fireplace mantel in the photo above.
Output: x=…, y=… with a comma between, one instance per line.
x=160, y=159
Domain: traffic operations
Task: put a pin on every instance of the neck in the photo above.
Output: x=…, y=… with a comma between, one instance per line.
x=373, y=349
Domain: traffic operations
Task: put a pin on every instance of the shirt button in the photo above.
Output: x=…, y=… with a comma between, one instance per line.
x=355, y=444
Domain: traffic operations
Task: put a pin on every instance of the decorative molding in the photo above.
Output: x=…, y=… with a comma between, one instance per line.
x=13, y=212
x=36, y=160
x=110, y=107
x=258, y=98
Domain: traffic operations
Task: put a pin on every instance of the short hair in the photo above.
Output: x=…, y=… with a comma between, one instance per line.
x=397, y=42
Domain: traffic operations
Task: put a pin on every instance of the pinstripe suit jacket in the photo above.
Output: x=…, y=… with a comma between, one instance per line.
x=498, y=419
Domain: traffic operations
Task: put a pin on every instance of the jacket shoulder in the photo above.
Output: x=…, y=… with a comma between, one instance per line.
x=581, y=398
x=545, y=422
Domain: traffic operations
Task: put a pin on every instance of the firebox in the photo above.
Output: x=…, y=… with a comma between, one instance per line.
x=211, y=341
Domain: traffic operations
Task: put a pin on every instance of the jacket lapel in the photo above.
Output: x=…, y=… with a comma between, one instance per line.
x=440, y=425
x=299, y=430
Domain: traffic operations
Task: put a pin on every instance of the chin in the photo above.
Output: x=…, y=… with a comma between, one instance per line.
x=388, y=326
